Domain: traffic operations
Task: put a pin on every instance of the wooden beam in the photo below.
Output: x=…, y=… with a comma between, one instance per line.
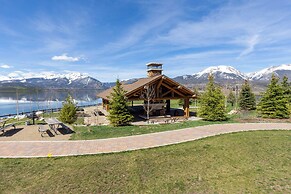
x=173, y=90
x=166, y=93
x=141, y=87
x=161, y=98
x=160, y=83
x=186, y=108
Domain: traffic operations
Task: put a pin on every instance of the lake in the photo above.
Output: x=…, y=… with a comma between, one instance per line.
x=34, y=100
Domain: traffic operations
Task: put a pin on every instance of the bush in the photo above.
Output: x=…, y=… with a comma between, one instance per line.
x=69, y=110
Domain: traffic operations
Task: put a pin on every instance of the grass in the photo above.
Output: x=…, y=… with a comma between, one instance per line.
x=245, y=162
x=102, y=132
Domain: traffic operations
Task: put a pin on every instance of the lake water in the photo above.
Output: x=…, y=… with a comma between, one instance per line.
x=34, y=100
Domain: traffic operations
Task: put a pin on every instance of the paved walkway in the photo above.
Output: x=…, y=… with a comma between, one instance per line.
x=26, y=149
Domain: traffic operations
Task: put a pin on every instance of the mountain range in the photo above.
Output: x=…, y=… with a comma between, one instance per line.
x=229, y=75
x=222, y=74
x=48, y=80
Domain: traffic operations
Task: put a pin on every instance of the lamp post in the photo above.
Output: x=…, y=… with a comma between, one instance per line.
x=236, y=96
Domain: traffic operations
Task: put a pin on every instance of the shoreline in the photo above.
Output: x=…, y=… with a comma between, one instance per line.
x=49, y=110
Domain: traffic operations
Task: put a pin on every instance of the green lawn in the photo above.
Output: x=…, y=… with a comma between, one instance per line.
x=101, y=132
x=245, y=162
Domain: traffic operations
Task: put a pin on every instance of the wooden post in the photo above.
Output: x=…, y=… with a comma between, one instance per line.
x=186, y=108
x=168, y=107
x=105, y=104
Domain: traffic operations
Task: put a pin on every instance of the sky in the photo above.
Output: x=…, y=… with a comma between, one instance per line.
x=109, y=39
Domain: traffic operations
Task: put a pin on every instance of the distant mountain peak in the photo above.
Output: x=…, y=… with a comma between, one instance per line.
x=50, y=80
x=265, y=74
x=20, y=75
x=221, y=71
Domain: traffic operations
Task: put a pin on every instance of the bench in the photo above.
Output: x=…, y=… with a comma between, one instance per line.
x=6, y=126
x=42, y=129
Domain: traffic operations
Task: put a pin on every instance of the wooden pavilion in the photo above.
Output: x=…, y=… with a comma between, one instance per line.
x=157, y=90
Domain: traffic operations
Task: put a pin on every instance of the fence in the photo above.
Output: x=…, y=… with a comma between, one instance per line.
x=50, y=110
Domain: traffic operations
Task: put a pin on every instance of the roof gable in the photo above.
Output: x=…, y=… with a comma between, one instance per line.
x=165, y=85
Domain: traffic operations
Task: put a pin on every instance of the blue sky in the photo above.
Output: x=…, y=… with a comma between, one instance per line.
x=111, y=39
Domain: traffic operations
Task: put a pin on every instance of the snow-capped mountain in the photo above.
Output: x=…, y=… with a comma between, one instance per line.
x=221, y=73
x=266, y=74
x=44, y=80
x=19, y=75
x=229, y=75
x=225, y=75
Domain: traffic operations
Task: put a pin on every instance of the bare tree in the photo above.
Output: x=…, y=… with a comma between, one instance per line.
x=148, y=94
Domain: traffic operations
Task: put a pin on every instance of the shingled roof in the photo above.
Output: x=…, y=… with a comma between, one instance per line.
x=140, y=83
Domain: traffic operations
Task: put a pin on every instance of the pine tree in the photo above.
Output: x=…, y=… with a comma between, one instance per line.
x=287, y=91
x=246, y=100
x=119, y=113
x=68, y=111
x=231, y=98
x=212, y=106
x=273, y=104
x=196, y=92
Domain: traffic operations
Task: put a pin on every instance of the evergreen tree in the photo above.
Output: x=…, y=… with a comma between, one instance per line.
x=273, y=104
x=68, y=111
x=231, y=98
x=196, y=92
x=246, y=99
x=286, y=89
x=119, y=113
x=212, y=103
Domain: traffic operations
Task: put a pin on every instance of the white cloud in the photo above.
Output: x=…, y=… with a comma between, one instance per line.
x=251, y=43
x=5, y=66
x=65, y=57
x=159, y=16
x=230, y=24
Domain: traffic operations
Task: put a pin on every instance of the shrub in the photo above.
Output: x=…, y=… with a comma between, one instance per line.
x=68, y=111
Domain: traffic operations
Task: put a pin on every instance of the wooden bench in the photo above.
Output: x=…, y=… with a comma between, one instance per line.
x=42, y=129
x=6, y=126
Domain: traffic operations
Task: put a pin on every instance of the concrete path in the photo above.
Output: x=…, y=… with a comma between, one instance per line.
x=27, y=149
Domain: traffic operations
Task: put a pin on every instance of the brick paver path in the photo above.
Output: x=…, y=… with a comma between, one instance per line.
x=26, y=149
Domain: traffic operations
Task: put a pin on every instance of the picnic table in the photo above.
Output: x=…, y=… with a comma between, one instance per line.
x=53, y=123
x=3, y=125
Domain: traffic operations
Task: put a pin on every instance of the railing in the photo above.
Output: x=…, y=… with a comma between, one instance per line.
x=50, y=110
